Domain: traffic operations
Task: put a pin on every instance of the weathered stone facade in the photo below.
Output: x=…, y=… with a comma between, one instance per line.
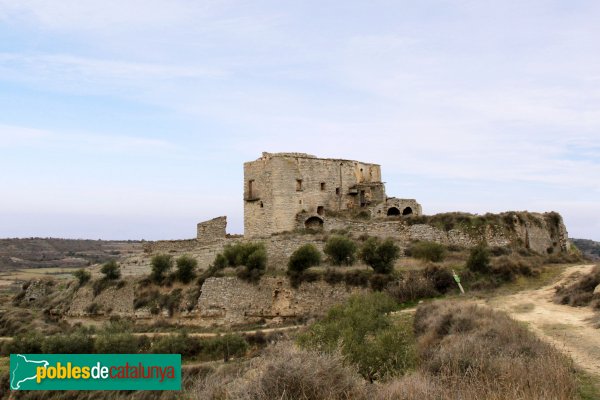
x=213, y=230
x=278, y=187
x=230, y=301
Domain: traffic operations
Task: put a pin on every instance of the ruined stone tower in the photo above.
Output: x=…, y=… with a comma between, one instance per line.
x=284, y=191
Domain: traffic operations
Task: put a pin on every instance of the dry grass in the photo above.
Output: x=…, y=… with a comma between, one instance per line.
x=581, y=292
x=470, y=352
x=285, y=373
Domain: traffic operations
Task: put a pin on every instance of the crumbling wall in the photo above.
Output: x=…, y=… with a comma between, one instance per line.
x=212, y=230
x=229, y=301
x=111, y=301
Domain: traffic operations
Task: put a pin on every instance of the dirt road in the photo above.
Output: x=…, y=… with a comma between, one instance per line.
x=565, y=327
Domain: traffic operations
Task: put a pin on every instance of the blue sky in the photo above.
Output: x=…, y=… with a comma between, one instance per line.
x=131, y=119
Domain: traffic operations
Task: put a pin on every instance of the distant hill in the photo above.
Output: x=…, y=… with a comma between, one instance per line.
x=589, y=248
x=50, y=252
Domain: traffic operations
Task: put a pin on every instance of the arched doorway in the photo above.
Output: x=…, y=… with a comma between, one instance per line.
x=393, y=211
x=407, y=211
x=313, y=223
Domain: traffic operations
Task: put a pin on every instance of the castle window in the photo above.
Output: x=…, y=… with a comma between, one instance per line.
x=261, y=204
x=320, y=210
x=250, y=188
x=298, y=185
x=322, y=185
x=337, y=191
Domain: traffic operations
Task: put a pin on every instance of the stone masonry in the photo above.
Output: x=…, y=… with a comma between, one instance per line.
x=280, y=187
x=212, y=230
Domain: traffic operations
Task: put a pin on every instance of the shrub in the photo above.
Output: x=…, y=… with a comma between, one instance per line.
x=413, y=286
x=285, y=372
x=225, y=347
x=333, y=277
x=111, y=270
x=581, y=292
x=175, y=344
x=429, y=251
x=82, y=276
x=303, y=258
x=78, y=342
x=378, y=282
x=357, y=278
x=341, y=250
x=479, y=259
x=380, y=255
x=118, y=343
x=186, y=268
x=170, y=301
x=366, y=336
x=441, y=278
x=161, y=264
x=484, y=354
x=251, y=256
x=30, y=343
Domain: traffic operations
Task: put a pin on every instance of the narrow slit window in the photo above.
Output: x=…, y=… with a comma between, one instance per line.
x=250, y=188
x=337, y=191
x=322, y=185
x=298, y=185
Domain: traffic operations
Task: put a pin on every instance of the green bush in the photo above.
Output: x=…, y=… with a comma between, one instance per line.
x=479, y=259
x=30, y=343
x=161, y=265
x=441, y=278
x=380, y=255
x=117, y=343
x=303, y=258
x=224, y=347
x=251, y=256
x=111, y=270
x=82, y=276
x=429, y=251
x=341, y=250
x=366, y=336
x=78, y=342
x=239, y=254
x=186, y=267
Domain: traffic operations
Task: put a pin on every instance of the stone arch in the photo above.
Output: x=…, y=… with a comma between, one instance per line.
x=407, y=211
x=393, y=211
x=314, y=223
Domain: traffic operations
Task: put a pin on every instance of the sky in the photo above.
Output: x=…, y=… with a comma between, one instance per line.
x=131, y=119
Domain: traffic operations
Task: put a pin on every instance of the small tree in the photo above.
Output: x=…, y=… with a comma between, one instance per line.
x=82, y=276
x=429, y=251
x=479, y=259
x=161, y=264
x=341, y=250
x=111, y=270
x=186, y=266
x=303, y=258
x=380, y=255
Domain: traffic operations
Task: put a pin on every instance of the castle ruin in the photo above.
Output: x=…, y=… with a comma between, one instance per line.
x=288, y=191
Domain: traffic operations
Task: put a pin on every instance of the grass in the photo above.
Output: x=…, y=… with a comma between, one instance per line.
x=588, y=386
x=524, y=308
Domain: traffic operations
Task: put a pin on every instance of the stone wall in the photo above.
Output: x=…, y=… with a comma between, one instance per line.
x=229, y=301
x=212, y=230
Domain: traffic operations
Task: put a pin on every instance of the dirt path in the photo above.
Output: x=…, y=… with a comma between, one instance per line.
x=565, y=327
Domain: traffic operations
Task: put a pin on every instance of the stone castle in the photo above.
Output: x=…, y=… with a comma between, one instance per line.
x=287, y=191
x=293, y=199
